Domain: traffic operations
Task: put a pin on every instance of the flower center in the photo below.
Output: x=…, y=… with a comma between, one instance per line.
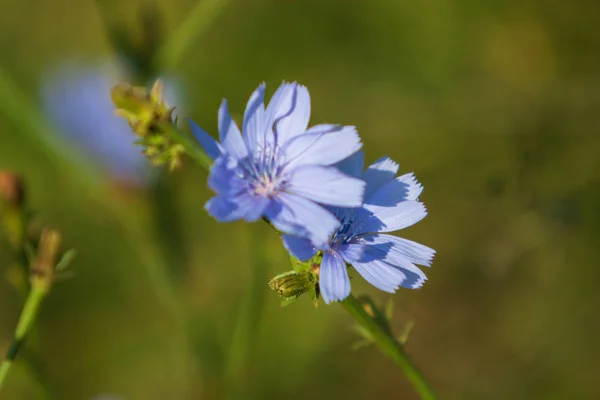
x=266, y=186
x=263, y=172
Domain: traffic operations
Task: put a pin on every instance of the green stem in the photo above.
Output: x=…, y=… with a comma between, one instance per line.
x=26, y=320
x=390, y=347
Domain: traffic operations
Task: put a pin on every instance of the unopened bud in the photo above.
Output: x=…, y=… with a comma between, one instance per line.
x=291, y=284
x=12, y=191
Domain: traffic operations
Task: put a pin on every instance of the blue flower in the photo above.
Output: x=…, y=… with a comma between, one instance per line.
x=385, y=261
x=76, y=98
x=278, y=169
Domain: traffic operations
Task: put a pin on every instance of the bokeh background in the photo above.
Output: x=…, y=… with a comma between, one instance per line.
x=494, y=105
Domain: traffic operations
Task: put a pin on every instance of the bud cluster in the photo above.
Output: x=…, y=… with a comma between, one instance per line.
x=147, y=113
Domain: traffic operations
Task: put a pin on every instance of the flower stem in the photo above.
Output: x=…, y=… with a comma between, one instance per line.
x=26, y=320
x=390, y=347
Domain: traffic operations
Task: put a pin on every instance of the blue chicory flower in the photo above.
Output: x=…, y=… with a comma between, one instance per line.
x=385, y=261
x=278, y=169
x=76, y=97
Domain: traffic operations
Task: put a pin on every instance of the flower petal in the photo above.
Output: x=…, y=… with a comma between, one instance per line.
x=294, y=124
x=389, y=219
x=396, y=249
x=252, y=207
x=288, y=112
x=243, y=206
x=353, y=165
x=275, y=107
x=301, y=248
x=387, y=252
x=253, y=127
x=210, y=145
x=390, y=194
x=326, y=185
x=222, y=174
x=380, y=274
x=378, y=174
x=352, y=252
x=324, y=128
x=322, y=148
x=334, y=282
x=299, y=216
x=222, y=209
x=414, y=187
x=229, y=133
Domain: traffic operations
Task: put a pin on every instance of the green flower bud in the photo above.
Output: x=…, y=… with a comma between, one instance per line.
x=293, y=284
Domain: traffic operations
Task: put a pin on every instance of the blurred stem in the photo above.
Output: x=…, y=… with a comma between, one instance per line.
x=26, y=320
x=14, y=219
x=181, y=40
x=390, y=347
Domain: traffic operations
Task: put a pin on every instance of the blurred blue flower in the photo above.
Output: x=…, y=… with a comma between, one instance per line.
x=279, y=169
x=77, y=100
x=385, y=261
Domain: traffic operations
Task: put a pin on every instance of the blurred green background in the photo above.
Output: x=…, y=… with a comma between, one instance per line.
x=494, y=105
